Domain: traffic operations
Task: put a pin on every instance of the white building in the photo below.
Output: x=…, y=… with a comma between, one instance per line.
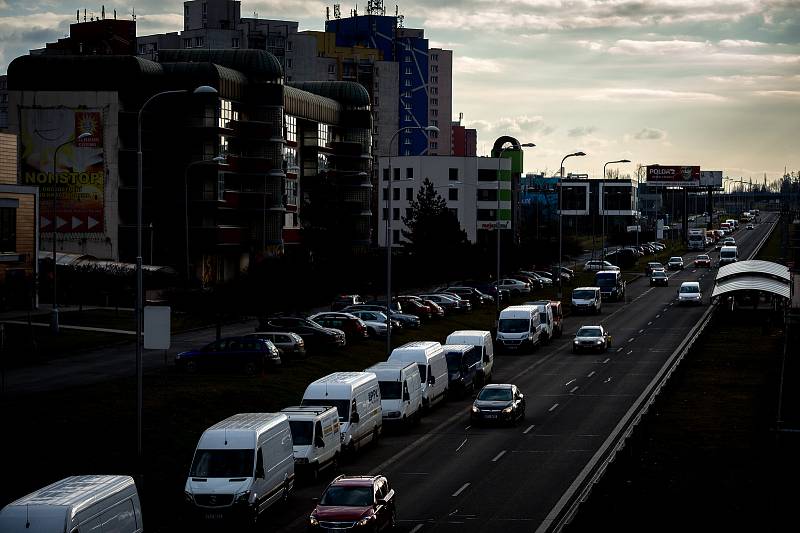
x=468, y=184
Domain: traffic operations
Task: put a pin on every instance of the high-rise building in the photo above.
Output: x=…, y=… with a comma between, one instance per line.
x=464, y=140
x=440, y=90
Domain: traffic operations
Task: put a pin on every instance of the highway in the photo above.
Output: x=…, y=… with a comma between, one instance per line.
x=450, y=476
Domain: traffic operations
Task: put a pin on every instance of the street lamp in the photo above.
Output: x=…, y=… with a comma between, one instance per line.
x=603, y=203
x=217, y=159
x=54, y=312
x=497, y=219
x=560, y=216
x=203, y=89
x=389, y=192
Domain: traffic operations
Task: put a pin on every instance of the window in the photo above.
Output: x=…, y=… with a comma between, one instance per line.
x=409, y=173
x=487, y=214
x=331, y=69
x=235, y=42
x=409, y=194
x=204, y=9
x=434, y=112
x=453, y=211
x=407, y=141
x=434, y=145
x=395, y=213
x=223, y=145
x=187, y=43
x=226, y=113
x=395, y=193
x=288, y=63
x=396, y=174
x=290, y=186
x=453, y=174
x=409, y=118
x=376, y=101
x=452, y=194
x=434, y=79
x=434, y=101
x=8, y=229
x=291, y=128
x=407, y=83
x=408, y=71
x=323, y=134
x=396, y=235
x=435, y=57
x=409, y=213
x=407, y=58
x=434, y=69
x=198, y=42
x=142, y=50
x=385, y=174
x=487, y=195
x=385, y=193
x=290, y=159
x=220, y=186
x=385, y=213
x=289, y=45
x=487, y=174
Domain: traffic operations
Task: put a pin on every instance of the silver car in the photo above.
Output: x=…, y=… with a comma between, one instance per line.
x=592, y=338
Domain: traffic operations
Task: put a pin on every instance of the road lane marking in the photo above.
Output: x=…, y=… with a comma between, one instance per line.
x=629, y=352
x=572, y=391
x=591, y=374
x=607, y=360
x=552, y=408
x=462, y=489
x=416, y=528
x=608, y=380
x=649, y=323
x=619, y=350
x=462, y=445
x=498, y=456
x=658, y=316
x=641, y=330
x=631, y=339
x=529, y=428
x=568, y=382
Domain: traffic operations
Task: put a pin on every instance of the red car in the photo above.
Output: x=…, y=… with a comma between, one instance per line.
x=415, y=307
x=355, y=503
x=354, y=328
x=702, y=260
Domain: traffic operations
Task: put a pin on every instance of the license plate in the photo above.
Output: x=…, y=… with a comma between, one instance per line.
x=213, y=516
x=490, y=416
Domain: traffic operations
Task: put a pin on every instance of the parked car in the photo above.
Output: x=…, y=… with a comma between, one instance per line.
x=437, y=311
x=675, y=263
x=448, y=304
x=407, y=321
x=247, y=354
x=567, y=274
x=702, y=260
x=290, y=345
x=487, y=288
x=593, y=338
x=689, y=293
x=515, y=286
x=651, y=267
x=353, y=327
x=659, y=277
x=595, y=265
x=473, y=295
x=624, y=257
x=416, y=307
x=533, y=282
x=355, y=503
x=500, y=402
x=376, y=322
x=344, y=300
x=315, y=336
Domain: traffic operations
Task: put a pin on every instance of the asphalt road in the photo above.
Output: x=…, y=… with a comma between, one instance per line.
x=450, y=476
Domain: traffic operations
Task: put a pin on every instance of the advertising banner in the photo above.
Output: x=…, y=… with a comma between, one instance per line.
x=711, y=178
x=676, y=176
x=76, y=179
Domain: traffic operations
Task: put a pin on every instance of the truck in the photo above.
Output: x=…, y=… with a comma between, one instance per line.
x=697, y=239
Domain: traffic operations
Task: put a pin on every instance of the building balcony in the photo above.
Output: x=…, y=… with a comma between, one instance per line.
x=257, y=200
x=256, y=130
x=256, y=165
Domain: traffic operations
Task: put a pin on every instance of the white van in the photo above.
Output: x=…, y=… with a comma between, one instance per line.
x=519, y=327
x=357, y=397
x=482, y=339
x=242, y=465
x=316, y=437
x=401, y=390
x=432, y=368
x=546, y=318
x=728, y=255
x=77, y=504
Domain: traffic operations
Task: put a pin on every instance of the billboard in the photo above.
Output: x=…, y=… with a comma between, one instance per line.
x=711, y=178
x=76, y=180
x=677, y=176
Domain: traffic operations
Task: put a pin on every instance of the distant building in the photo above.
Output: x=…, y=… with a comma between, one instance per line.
x=3, y=102
x=464, y=141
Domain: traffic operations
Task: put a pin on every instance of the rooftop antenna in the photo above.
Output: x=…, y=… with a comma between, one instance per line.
x=133, y=13
x=115, y=14
x=78, y=15
x=103, y=11
x=337, y=11
x=327, y=13
x=84, y=14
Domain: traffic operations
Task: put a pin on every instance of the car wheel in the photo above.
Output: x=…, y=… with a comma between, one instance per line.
x=515, y=292
x=191, y=367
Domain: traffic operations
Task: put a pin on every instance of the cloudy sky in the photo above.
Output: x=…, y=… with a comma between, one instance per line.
x=714, y=83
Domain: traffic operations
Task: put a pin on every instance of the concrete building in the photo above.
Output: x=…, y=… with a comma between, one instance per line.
x=3, y=102
x=440, y=88
x=19, y=232
x=468, y=184
x=464, y=141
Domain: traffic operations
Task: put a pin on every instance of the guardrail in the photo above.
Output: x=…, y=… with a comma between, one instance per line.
x=578, y=492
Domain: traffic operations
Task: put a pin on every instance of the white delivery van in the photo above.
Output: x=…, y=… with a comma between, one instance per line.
x=482, y=339
x=546, y=318
x=401, y=390
x=430, y=360
x=357, y=397
x=519, y=327
x=77, y=504
x=728, y=255
x=242, y=465
x=316, y=437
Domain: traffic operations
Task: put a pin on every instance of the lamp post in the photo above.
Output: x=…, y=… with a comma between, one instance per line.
x=603, y=203
x=217, y=159
x=54, y=312
x=497, y=222
x=389, y=192
x=560, y=216
x=203, y=89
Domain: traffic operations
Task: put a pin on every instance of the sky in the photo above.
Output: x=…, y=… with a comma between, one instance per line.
x=714, y=83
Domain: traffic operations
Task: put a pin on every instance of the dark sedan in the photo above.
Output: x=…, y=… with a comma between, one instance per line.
x=501, y=402
x=314, y=335
x=659, y=277
x=246, y=354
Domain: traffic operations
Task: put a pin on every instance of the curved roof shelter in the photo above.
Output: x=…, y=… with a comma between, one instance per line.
x=753, y=275
x=258, y=65
x=348, y=93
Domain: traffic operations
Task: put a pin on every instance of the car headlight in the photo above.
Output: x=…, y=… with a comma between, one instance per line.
x=575, y=341
x=187, y=496
x=508, y=409
x=598, y=341
x=312, y=520
x=242, y=497
x=475, y=409
x=366, y=520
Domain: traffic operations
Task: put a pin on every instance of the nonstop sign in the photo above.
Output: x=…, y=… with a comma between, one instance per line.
x=679, y=176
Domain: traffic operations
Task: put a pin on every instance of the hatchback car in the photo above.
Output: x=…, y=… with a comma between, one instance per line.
x=593, y=338
x=659, y=277
x=473, y=295
x=353, y=327
x=314, y=335
x=675, y=263
x=514, y=286
x=596, y=265
x=407, y=321
x=652, y=266
x=689, y=293
x=355, y=503
x=500, y=402
x=376, y=322
x=290, y=345
x=702, y=260
x=447, y=303
x=248, y=354
x=750, y=226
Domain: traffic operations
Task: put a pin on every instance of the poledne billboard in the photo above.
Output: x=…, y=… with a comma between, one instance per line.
x=678, y=176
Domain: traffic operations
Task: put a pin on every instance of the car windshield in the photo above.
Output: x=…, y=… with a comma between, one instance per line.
x=690, y=289
x=659, y=274
x=423, y=372
x=727, y=254
x=703, y=258
x=513, y=325
x=222, y=463
x=347, y=496
x=588, y=332
x=453, y=362
x=582, y=295
x=302, y=432
x=675, y=259
x=495, y=395
x=606, y=280
x=390, y=390
x=343, y=406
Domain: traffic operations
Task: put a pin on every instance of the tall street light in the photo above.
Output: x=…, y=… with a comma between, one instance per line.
x=54, y=312
x=389, y=192
x=217, y=159
x=203, y=89
x=497, y=221
x=603, y=203
x=560, y=216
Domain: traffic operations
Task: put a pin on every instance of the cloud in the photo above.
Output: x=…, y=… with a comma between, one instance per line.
x=581, y=131
x=740, y=43
x=675, y=46
x=739, y=79
x=474, y=65
x=780, y=94
x=512, y=125
x=631, y=95
x=147, y=24
x=650, y=134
